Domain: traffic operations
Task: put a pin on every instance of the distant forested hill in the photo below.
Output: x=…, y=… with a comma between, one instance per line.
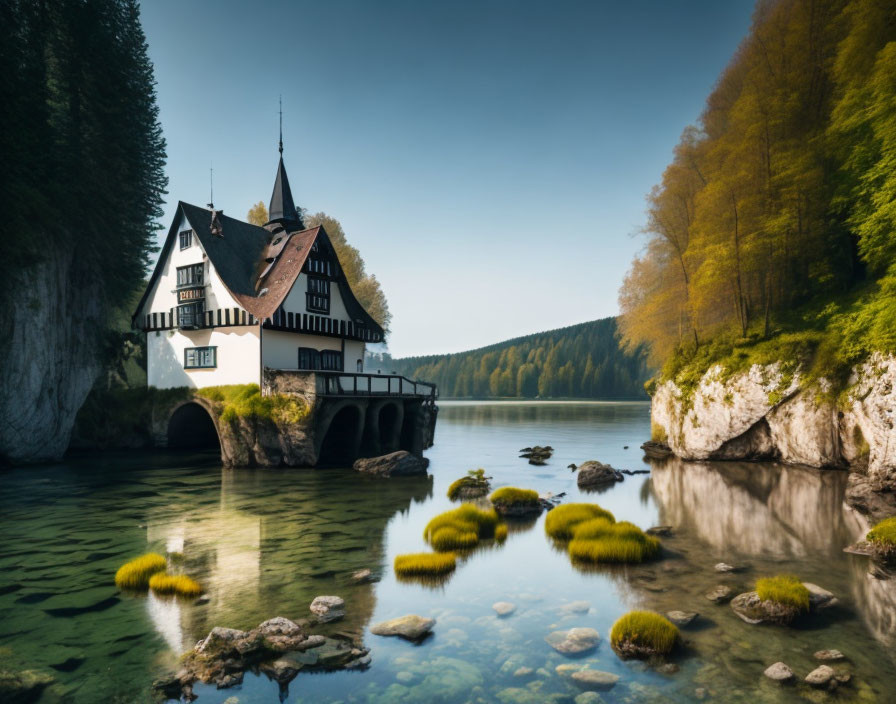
x=581, y=361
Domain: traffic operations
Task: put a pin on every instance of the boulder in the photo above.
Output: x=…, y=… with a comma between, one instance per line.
x=596, y=474
x=750, y=608
x=575, y=641
x=779, y=672
x=395, y=464
x=503, y=608
x=280, y=634
x=328, y=608
x=594, y=680
x=411, y=627
x=681, y=618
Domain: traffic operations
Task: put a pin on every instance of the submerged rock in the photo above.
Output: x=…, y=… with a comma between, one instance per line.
x=681, y=618
x=23, y=687
x=576, y=607
x=396, y=464
x=575, y=641
x=828, y=655
x=411, y=627
x=821, y=676
x=362, y=576
x=724, y=567
x=594, y=680
x=720, y=594
x=594, y=474
x=504, y=608
x=779, y=672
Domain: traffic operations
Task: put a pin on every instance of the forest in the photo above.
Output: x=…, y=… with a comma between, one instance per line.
x=772, y=229
x=580, y=361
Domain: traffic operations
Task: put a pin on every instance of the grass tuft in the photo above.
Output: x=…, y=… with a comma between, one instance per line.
x=783, y=589
x=425, y=564
x=884, y=533
x=510, y=495
x=246, y=401
x=562, y=520
x=501, y=532
x=643, y=633
x=449, y=538
x=465, y=519
x=136, y=573
x=180, y=584
x=600, y=541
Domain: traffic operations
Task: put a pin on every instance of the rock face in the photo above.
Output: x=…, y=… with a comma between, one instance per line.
x=764, y=413
x=411, y=627
x=597, y=474
x=395, y=464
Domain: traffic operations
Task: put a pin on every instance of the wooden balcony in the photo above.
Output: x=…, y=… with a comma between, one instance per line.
x=354, y=384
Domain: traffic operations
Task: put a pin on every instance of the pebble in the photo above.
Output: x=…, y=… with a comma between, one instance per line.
x=779, y=672
x=574, y=641
x=829, y=655
x=595, y=680
x=328, y=608
x=523, y=672
x=821, y=676
x=681, y=618
x=503, y=608
x=724, y=567
x=720, y=594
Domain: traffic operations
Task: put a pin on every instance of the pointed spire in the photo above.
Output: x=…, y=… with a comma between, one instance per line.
x=283, y=209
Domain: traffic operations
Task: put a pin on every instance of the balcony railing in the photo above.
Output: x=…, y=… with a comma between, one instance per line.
x=351, y=384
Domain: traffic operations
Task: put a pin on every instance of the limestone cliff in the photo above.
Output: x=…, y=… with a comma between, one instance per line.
x=765, y=413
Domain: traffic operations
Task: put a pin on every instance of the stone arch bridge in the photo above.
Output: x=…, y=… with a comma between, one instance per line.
x=350, y=416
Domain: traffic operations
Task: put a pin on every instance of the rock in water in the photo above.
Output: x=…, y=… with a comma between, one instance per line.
x=328, y=608
x=829, y=655
x=595, y=680
x=724, y=567
x=362, y=576
x=681, y=618
x=411, y=627
x=659, y=530
x=819, y=598
x=503, y=608
x=656, y=450
x=719, y=595
x=575, y=641
x=821, y=676
x=750, y=608
x=395, y=464
x=779, y=672
x=595, y=474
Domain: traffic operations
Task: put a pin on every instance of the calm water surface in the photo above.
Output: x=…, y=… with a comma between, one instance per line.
x=266, y=542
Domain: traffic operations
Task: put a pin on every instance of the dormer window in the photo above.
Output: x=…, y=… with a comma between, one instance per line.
x=186, y=239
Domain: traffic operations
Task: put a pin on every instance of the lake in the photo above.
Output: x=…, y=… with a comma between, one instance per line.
x=264, y=543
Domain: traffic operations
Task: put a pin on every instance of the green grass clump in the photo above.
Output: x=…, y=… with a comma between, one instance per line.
x=501, y=532
x=449, y=538
x=465, y=519
x=783, y=589
x=510, y=495
x=641, y=633
x=246, y=401
x=425, y=564
x=884, y=533
x=136, y=573
x=562, y=520
x=180, y=584
x=474, y=484
x=598, y=540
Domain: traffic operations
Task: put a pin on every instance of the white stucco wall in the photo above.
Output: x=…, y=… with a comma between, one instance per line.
x=295, y=300
x=238, y=357
x=280, y=350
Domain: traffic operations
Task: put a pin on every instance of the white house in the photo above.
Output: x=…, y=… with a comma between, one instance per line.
x=228, y=299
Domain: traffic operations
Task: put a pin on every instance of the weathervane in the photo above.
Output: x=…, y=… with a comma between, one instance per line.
x=211, y=187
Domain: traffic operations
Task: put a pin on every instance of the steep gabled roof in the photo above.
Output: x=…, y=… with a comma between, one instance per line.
x=258, y=265
x=283, y=208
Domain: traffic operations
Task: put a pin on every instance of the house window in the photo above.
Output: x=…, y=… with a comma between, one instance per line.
x=200, y=357
x=319, y=266
x=331, y=361
x=190, y=315
x=317, y=299
x=309, y=358
x=189, y=275
x=186, y=239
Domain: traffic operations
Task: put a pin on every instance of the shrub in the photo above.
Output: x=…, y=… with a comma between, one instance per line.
x=180, y=584
x=472, y=485
x=562, y=520
x=509, y=495
x=425, y=563
x=643, y=633
x=600, y=541
x=783, y=589
x=884, y=533
x=136, y=573
x=466, y=518
x=449, y=538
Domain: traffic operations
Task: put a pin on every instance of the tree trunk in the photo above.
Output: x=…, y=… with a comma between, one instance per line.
x=48, y=344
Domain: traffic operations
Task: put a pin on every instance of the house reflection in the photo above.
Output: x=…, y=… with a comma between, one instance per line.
x=272, y=541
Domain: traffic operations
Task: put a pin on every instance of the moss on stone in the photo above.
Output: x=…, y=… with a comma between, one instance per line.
x=465, y=519
x=245, y=401
x=562, y=520
x=600, y=541
x=642, y=634
x=474, y=484
x=783, y=589
x=884, y=533
x=424, y=564
x=511, y=495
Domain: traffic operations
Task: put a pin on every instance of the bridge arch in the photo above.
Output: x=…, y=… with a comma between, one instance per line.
x=340, y=438
x=192, y=425
x=389, y=421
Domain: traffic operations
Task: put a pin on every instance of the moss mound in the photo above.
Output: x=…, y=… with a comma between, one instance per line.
x=449, y=538
x=136, y=573
x=501, y=532
x=641, y=634
x=562, y=520
x=466, y=519
x=469, y=487
x=424, y=564
x=600, y=541
x=181, y=585
x=884, y=533
x=783, y=589
x=510, y=495
x=246, y=401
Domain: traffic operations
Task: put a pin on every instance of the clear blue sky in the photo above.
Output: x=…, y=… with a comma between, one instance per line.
x=489, y=159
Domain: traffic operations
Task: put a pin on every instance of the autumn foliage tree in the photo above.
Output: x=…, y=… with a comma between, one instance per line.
x=783, y=195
